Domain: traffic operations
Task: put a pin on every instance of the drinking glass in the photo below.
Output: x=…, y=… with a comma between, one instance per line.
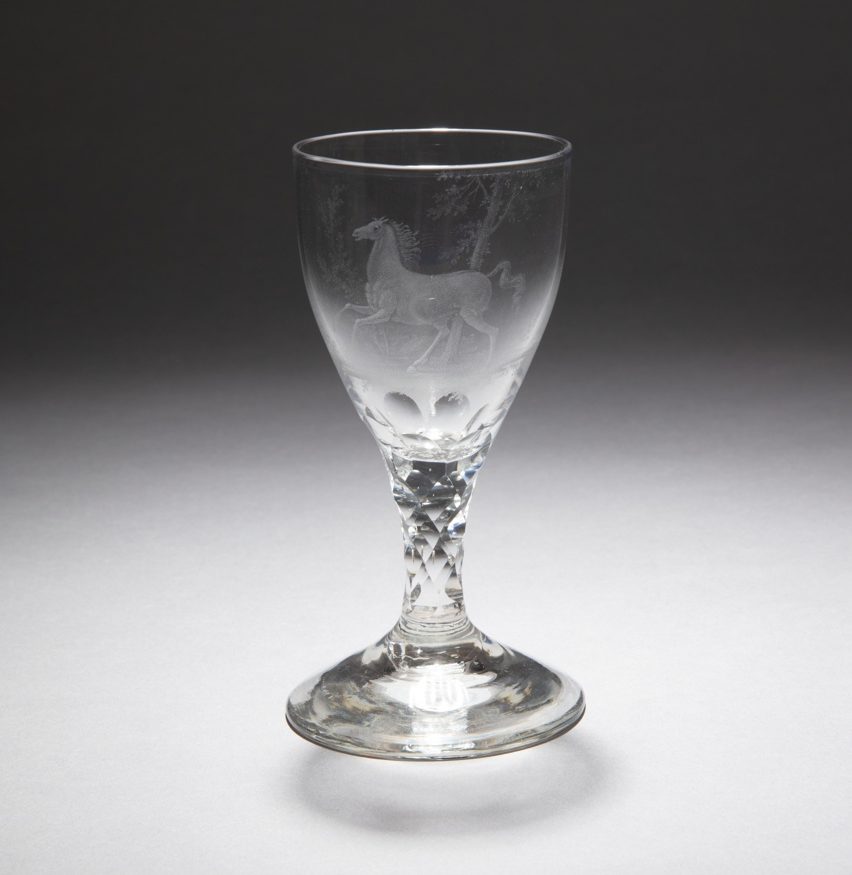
x=432, y=259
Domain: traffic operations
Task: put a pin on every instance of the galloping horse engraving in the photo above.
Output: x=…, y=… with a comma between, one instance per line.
x=445, y=301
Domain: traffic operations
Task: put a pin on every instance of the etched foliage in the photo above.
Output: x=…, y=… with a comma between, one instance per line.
x=489, y=201
x=334, y=258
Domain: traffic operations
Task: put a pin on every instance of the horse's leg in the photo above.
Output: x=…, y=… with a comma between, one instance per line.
x=443, y=331
x=453, y=340
x=364, y=310
x=377, y=318
x=385, y=341
x=502, y=269
x=519, y=288
x=508, y=280
x=476, y=321
x=360, y=309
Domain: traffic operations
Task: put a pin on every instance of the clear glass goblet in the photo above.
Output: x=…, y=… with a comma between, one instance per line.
x=432, y=259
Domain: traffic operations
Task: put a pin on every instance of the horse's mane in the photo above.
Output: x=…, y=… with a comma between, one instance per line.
x=408, y=243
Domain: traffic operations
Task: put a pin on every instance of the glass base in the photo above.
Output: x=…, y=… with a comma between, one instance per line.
x=406, y=698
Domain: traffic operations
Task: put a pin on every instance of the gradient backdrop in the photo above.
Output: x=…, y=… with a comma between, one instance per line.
x=193, y=519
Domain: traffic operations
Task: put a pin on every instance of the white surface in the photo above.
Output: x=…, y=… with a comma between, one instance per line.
x=676, y=535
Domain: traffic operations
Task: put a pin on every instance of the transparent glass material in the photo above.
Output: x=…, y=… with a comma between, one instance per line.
x=432, y=259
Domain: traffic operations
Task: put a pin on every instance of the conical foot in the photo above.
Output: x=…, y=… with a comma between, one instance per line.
x=404, y=700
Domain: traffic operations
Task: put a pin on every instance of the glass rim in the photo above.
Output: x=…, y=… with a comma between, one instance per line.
x=562, y=149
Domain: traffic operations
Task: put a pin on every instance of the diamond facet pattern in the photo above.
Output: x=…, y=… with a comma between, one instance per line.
x=433, y=497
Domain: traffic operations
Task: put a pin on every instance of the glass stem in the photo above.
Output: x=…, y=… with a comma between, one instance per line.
x=432, y=498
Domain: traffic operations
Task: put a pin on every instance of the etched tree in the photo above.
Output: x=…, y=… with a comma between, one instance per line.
x=335, y=261
x=495, y=198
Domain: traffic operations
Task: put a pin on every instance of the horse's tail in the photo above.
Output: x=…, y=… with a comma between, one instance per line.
x=508, y=280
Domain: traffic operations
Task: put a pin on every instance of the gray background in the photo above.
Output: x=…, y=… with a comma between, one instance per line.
x=193, y=519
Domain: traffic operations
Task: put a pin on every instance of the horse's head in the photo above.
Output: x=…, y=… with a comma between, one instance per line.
x=370, y=232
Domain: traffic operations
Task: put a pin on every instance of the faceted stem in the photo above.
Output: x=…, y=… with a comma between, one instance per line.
x=432, y=498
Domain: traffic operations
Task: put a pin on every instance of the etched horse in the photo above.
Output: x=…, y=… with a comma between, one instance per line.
x=446, y=301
